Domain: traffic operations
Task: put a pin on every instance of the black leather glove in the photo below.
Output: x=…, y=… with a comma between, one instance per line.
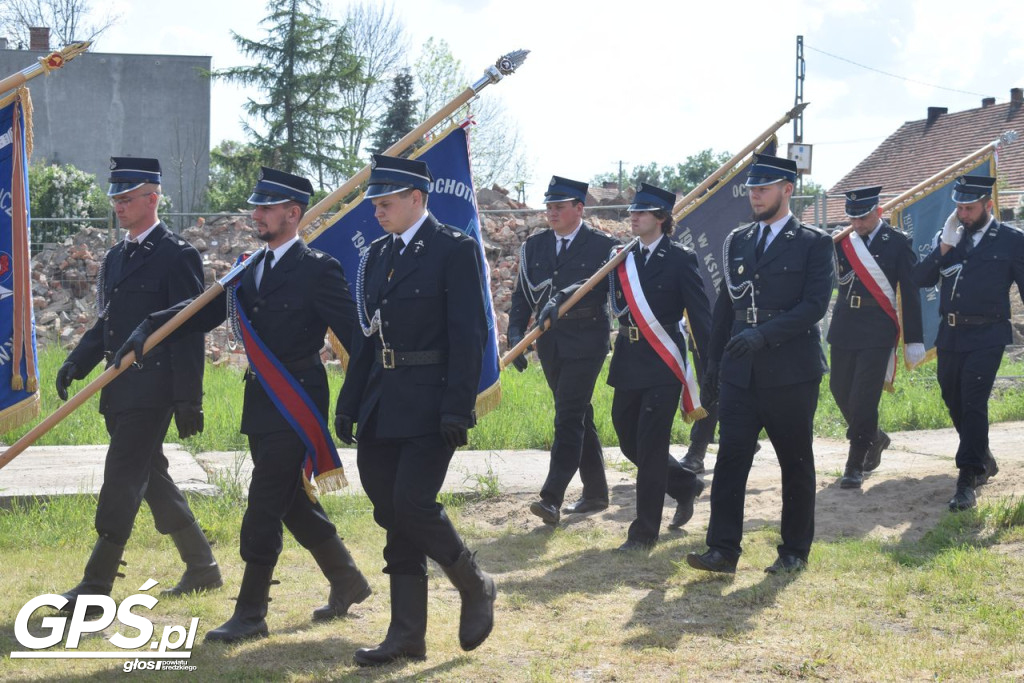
x=709, y=385
x=188, y=418
x=454, y=431
x=549, y=313
x=135, y=343
x=343, y=428
x=67, y=374
x=745, y=342
x=520, y=362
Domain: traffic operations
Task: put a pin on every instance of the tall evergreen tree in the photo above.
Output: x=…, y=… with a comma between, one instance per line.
x=400, y=117
x=301, y=65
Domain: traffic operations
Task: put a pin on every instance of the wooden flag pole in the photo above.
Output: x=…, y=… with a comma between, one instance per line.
x=505, y=66
x=111, y=373
x=573, y=299
x=44, y=65
x=739, y=156
x=1005, y=139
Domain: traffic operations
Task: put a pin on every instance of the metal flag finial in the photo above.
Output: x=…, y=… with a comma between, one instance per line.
x=506, y=65
x=1009, y=137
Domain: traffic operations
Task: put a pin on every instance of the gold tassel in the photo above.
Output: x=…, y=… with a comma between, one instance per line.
x=310, y=491
x=890, y=387
x=17, y=383
x=33, y=385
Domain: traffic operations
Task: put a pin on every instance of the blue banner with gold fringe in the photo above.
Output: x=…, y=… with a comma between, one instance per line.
x=453, y=202
x=19, y=376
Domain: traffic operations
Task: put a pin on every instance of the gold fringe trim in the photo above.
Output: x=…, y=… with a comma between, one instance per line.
x=335, y=480
x=18, y=414
x=890, y=387
x=26, y=112
x=488, y=399
x=693, y=416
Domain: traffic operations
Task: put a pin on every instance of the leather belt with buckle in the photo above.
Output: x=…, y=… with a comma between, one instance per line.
x=392, y=359
x=585, y=312
x=634, y=333
x=856, y=301
x=954, y=319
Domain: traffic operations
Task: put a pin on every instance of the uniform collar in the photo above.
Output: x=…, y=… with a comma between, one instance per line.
x=142, y=235
x=410, y=233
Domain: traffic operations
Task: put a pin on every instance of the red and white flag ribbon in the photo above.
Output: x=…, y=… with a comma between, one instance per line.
x=660, y=340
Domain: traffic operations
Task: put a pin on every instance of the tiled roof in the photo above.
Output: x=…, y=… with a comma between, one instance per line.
x=919, y=150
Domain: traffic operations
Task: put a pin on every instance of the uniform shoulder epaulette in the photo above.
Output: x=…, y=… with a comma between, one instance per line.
x=451, y=232
x=814, y=229
x=317, y=254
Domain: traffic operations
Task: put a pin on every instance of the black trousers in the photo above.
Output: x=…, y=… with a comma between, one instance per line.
x=966, y=379
x=787, y=415
x=576, y=445
x=643, y=421
x=136, y=470
x=402, y=478
x=856, y=380
x=277, y=497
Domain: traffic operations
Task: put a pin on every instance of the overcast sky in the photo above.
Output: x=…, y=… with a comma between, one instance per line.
x=647, y=81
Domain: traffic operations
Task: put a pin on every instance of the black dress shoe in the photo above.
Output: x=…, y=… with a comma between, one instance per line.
x=684, y=509
x=546, y=511
x=635, y=544
x=874, y=454
x=711, y=561
x=787, y=563
x=586, y=505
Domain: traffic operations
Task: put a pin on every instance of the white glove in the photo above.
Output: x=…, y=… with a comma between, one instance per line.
x=913, y=354
x=952, y=231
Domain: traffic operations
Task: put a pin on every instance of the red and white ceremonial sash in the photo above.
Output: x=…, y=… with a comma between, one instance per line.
x=660, y=340
x=869, y=273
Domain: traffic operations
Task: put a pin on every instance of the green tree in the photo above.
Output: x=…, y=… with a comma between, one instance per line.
x=401, y=114
x=680, y=178
x=234, y=169
x=302, y=64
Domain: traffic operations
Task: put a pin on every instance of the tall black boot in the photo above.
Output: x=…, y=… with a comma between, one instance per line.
x=964, y=498
x=100, y=572
x=478, y=594
x=249, y=619
x=348, y=585
x=407, y=634
x=853, y=475
x=694, y=458
x=201, y=570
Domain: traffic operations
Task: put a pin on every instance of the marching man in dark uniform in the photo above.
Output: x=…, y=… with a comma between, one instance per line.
x=148, y=270
x=975, y=261
x=652, y=290
x=282, y=308
x=572, y=352
x=766, y=350
x=865, y=328
x=411, y=387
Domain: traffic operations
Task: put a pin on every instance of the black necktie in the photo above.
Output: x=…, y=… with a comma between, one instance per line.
x=268, y=263
x=644, y=253
x=563, y=244
x=397, y=247
x=759, y=250
x=129, y=248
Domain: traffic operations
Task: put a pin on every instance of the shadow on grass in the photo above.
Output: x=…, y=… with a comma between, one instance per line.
x=705, y=607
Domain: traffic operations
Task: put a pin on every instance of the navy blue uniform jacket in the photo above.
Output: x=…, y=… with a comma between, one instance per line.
x=794, y=275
